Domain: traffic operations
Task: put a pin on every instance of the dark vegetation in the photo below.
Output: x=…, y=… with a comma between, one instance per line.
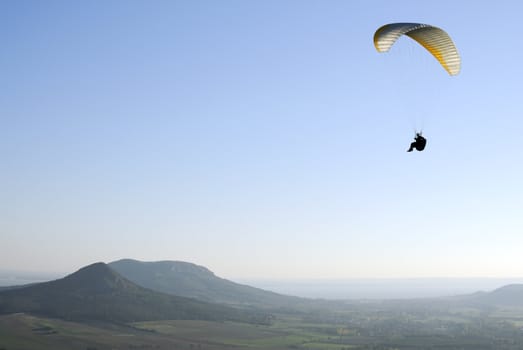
x=97, y=308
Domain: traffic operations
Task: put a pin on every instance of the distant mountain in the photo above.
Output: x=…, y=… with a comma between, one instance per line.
x=510, y=295
x=190, y=280
x=507, y=296
x=97, y=292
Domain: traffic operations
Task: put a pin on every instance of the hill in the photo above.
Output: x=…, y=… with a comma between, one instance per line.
x=510, y=295
x=96, y=292
x=507, y=296
x=190, y=280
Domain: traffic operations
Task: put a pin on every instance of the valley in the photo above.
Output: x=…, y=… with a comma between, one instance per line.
x=178, y=305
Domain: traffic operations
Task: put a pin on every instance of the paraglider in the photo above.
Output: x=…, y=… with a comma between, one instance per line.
x=419, y=143
x=433, y=39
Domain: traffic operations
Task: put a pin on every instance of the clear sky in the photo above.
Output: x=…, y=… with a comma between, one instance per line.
x=260, y=138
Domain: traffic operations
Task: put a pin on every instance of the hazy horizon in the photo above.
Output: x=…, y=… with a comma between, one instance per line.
x=381, y=288
x=343, y=288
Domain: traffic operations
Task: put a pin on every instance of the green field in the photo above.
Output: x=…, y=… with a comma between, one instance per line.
x=22, y=331
x=284, y=333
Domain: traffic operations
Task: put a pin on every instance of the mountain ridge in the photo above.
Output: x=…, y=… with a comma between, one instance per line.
x=97, y=292
x=509, y=295
x=190, y=280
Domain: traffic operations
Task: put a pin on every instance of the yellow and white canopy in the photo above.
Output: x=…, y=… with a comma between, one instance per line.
x=434, y=39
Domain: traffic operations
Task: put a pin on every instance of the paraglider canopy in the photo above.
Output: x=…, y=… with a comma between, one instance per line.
x=434, y=39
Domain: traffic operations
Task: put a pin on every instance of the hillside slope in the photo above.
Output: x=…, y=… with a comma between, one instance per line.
x=190, y=280
x=96, y=292
x=510, y=295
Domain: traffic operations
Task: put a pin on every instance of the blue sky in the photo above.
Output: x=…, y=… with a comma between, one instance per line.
x=260, y=138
